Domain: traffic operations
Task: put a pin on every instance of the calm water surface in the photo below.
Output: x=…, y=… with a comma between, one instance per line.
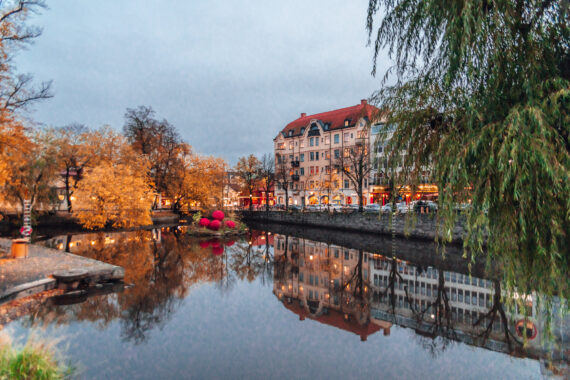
x=276, y=306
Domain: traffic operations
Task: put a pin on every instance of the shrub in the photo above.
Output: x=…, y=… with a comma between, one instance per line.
x=204, y=222
x=230, y=224
x=218, y=215
x=218, y=250
x=214, y=225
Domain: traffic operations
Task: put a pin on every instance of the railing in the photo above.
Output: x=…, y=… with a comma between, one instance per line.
x=295, y=164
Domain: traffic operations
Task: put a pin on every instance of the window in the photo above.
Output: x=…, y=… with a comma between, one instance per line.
x=337, y=153
x=346, y=255
x=327, y=140
x=302, y=171
x=312, y=156
x=302, y=143
x=290, y=157
x=346, y=122
x=317, y=155
x=302, y=157
x=301, y=276
x=346, y=184
x=311, y=141
x=312, y=170
x=336, y=138
x=291, y=145
x=302, y=130
x=346, y=137
x=291, y=133
x=328, y=155
x=316, y=141
x=316, y=170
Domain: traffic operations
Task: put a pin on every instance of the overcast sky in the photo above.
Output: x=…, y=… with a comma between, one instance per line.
x=228, y=74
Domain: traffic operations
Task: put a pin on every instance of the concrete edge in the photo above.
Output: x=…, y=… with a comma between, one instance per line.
x=27, y=289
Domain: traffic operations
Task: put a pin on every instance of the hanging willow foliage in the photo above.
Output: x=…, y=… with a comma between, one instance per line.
x=482, y=96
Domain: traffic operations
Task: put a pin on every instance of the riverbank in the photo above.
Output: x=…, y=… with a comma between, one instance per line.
x=66, y=221
x=24, y=277
x=416, y=226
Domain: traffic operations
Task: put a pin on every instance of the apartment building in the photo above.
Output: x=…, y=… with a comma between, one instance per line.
x=380, y=186
x=308, y=148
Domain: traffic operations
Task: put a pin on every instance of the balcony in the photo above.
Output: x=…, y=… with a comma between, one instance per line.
x=295, y=164
x=360, y=141
x=295, y=177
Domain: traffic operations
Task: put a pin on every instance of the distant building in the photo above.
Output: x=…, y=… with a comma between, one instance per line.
x=309, y=147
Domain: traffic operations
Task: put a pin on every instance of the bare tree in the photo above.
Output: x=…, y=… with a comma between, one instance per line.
x=247, y=169
x=158, y=140
x=17, y=90
x=354, y=163
x=283, y=176
x=267, y=176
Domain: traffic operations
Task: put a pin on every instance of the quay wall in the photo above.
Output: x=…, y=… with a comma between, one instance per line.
x=415, y=226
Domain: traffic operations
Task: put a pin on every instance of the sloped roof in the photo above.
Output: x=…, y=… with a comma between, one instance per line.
x=336, y=319
x=335, y=119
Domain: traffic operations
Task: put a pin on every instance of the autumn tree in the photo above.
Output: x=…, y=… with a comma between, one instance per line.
x=247, y=170
x=75, y=150
x=267, y=176
x=482, y=91
x=355, y=164
x=194, y=180
x=116, y=192
x=32, y=167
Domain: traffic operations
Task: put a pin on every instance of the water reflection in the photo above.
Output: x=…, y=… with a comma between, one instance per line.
x=370, y=291
x=162, y=266
x=363, y=292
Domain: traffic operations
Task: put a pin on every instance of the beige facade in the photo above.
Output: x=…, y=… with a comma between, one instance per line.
x=309, y=147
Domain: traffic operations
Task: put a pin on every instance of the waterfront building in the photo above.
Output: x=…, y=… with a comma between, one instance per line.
x=311, y=146
x=381, y=174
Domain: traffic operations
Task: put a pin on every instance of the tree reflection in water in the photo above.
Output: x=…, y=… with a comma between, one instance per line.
x=161, y=266
x=353, y=289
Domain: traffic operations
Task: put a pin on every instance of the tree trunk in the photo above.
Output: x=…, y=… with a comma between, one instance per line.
x=286, y=198
x=67, y=190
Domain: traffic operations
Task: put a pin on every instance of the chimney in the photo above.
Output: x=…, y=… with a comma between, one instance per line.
x=363, y=101
x=303, y=114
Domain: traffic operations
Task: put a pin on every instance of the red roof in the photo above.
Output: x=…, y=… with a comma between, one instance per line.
x=334, y=118
x=336, y=319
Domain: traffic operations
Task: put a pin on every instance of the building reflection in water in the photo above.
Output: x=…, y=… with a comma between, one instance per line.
x=364, y=292
x=353, y=290
x=325, y=283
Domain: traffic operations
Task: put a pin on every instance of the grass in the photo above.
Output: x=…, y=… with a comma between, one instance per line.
x=36, y=360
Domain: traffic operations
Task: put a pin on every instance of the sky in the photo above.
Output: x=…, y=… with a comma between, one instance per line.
x=229, y=75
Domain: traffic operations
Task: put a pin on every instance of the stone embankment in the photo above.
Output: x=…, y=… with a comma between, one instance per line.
x=46, y=269
x=416, y=226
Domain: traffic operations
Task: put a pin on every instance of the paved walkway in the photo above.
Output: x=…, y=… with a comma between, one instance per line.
x=23, y=277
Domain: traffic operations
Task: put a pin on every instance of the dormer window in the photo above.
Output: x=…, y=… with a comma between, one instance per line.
x=302, y=130
x=291, y=133
x=346, y=122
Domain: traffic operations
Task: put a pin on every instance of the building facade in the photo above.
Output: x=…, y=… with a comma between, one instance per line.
x=310, y=147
